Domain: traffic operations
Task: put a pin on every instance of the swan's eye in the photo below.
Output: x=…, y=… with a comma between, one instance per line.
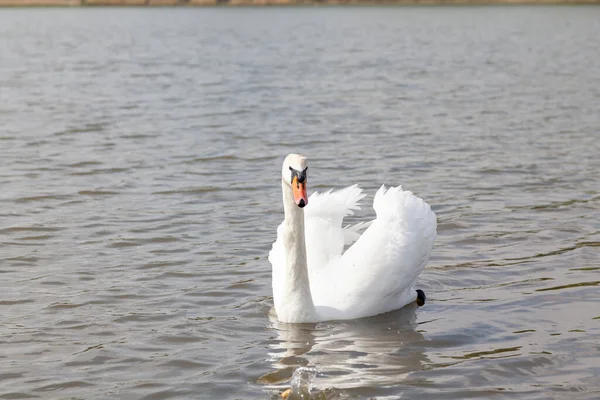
x=300, y=175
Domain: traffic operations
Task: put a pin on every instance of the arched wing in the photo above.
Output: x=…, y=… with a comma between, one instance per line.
x=323, y=217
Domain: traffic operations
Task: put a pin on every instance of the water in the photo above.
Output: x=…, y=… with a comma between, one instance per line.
x=140, y=154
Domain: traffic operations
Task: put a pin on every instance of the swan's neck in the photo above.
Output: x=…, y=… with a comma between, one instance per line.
x=296, y=304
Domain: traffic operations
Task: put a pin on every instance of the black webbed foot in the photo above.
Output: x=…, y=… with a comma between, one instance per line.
x=421, y=297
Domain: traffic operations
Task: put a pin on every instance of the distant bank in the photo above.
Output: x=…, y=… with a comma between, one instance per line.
x=192, y=3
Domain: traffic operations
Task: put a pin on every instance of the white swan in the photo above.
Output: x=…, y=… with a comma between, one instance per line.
x=315, y=280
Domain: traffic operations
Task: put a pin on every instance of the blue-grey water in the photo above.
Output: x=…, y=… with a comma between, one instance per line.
x=140, y=152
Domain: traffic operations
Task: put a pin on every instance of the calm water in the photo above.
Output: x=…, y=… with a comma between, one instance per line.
x=140, y=155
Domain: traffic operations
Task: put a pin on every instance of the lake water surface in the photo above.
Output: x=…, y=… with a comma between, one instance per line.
x=140, y=154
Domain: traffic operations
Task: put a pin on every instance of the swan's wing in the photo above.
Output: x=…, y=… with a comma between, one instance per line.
x=377, y=273
x=352, y=232
x=323, y=216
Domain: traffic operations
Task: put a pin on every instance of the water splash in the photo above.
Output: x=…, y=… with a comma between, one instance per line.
x=302, y=383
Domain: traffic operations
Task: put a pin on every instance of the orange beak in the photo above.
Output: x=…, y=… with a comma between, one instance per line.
x=299, y=189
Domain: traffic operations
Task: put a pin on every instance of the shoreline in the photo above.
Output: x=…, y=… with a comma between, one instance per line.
x=262, y=3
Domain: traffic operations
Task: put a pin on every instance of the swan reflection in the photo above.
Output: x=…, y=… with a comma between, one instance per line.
x=380, y=350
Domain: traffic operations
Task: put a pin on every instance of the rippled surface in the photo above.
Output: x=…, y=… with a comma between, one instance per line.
x=140, y=154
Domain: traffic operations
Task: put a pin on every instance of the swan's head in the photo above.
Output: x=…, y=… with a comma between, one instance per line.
x=295, y=173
